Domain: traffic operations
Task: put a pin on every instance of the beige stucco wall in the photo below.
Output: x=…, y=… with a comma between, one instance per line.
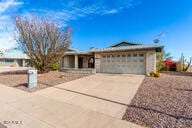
x=97, y=62
x=68, y=61
x=150, y=61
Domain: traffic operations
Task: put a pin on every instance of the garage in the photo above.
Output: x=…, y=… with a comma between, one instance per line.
x=125, y=63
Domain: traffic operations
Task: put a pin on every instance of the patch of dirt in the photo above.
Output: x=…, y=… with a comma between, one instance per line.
x=164, y=102
x=52, y=78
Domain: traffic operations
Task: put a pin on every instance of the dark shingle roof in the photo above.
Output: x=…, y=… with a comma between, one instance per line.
x=124, y=43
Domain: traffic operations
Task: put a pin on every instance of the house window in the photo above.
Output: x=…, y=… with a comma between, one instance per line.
x=118, y=56
x=113, y=56
x=113, y=61
x=128, y=60
x=104, y=61
x=123, y=60
x=141, y=60
x=108, y=61
x=104, y=56
x=123, y=55
x=141, y=55
x=118, y=60
x=134, y=60
x=108, y=56
x=134, y=55
x=9, y=60
x=129, y=55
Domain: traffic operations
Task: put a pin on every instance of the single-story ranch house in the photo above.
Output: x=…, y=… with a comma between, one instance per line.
x=123, y=57
x=15, y=60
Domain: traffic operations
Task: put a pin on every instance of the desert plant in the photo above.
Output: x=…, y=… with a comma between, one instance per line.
x=185, y=64
x=44, y=41
x=157, y=74
x=152, y=74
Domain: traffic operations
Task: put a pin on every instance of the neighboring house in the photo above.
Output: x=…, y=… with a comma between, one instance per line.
x=123, y=57
x=189, y=69
x=15, y=60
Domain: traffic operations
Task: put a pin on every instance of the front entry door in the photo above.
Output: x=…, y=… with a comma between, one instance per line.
x=80, y=62
x=91, y=62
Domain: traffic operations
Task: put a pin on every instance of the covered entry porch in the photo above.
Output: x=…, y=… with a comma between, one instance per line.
x=79, y=63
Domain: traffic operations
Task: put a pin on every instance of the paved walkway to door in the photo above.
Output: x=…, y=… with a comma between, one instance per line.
x=96, y=101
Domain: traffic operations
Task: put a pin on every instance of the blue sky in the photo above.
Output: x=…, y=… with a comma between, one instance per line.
x=100, y=23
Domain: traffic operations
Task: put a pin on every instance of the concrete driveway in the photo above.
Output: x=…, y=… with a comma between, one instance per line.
x=104, y=93
x=96, y=101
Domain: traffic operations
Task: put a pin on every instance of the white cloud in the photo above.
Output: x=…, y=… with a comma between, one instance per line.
x=68, y=10
x=113, y=11
x=6, y=40
x=75, y=9
x=6, y=4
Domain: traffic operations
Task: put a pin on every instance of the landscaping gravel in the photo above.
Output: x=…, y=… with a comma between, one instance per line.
x=52, y=78
x=164, y=102
x=2, y=126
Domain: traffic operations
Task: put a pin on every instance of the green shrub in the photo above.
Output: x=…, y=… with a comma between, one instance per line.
x=55, y=66
x=152, y=74
x=157, y=74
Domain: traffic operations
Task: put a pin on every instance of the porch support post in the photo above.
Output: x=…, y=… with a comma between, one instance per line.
x=76, y=61
x=15, y=63
x=23, y=63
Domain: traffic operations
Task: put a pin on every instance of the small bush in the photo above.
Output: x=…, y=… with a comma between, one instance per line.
x=152, y=74
x=55, y=66
x=157, y=74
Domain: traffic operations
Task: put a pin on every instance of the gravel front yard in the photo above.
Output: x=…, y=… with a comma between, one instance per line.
x=2, y=126
x=19, y=80
x=164, y=102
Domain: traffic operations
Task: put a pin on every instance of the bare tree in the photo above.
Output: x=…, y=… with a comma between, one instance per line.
x=44, y=41
x=1, y=53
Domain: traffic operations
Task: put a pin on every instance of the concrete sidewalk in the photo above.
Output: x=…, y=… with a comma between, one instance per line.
x=12, y=69
x=40, y=110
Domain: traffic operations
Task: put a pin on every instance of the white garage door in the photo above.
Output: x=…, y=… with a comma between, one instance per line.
x=123, y=63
